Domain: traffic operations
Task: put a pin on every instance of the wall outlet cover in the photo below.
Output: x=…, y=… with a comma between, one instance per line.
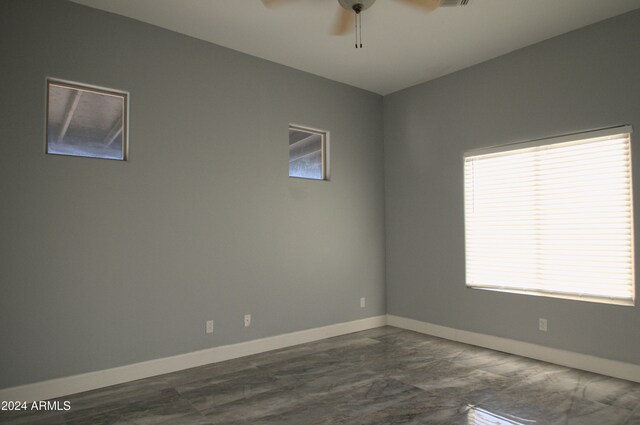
x=542, y=325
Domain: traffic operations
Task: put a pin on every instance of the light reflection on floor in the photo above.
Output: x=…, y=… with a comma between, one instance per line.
x=478, y=416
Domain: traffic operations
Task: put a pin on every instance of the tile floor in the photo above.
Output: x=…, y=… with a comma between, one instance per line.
x=380, y=376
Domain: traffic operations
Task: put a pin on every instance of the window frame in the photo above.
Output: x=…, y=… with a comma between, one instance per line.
x=324, y=151
x=91, y=89
x=626, y=131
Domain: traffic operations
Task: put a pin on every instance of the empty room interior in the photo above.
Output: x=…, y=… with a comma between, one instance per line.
x=319, y=212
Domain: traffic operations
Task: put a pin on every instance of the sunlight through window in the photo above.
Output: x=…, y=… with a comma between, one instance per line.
x=552, y=218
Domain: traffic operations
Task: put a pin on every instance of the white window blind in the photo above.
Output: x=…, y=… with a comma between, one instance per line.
x=552, y=217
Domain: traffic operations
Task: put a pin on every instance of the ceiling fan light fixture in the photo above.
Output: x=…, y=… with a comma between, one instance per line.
x=453, y=3
x=352, y=5
x=351, y=11
x=357, y=6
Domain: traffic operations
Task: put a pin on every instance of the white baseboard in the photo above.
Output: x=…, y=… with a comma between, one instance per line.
x=586, y=362
x=89, y=381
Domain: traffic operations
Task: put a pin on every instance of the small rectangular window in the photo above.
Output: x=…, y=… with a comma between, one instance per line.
x=86, y=121
x=552, y=217
x=307, y=153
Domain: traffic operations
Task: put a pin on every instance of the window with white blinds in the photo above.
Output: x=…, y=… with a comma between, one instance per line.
x=552, y=217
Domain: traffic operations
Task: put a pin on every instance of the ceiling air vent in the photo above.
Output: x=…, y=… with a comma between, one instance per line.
x=449, y=3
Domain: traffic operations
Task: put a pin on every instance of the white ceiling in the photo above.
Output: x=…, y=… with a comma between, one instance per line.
x=402, y=46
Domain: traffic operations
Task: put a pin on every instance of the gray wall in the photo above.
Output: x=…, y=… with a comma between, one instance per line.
x=583, y=80
x=107, y=263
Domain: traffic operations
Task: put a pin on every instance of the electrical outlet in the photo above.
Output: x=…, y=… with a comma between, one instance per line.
x=362, y=302
x=542, y=325
x=247, y=320
x=209, y=326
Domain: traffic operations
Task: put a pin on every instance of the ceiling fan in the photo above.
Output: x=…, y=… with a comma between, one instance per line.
x=351, y=10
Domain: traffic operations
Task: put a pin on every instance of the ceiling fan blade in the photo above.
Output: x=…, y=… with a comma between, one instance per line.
x=343, y=23
x=426, y=5
x=272, y=3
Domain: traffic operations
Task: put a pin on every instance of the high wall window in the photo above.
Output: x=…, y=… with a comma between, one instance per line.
x=86, y=121
x=552, y=217
x=307, y=153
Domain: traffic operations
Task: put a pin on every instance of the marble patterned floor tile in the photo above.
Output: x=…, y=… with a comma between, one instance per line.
x=341, y=383
x=436, y=369
x=342, y=343
x=114, y=395
x=309, y=367
x=521, y=368
x=207, y=397
x=406, y=338
x=379, y=376
x=162, y=412
x=420, y=410
x=284, y=354
x=368, y=396
x=476, y=357
x=151, y=409
x=585, y=412
x=98, y=418
x=313, y=413
x=590, y=386
x=122, y=411
x=31, y=418
x=216, y=378
x=615, y=392
x=634, y=418
x=258, y=406
x=364, y=356
x=195, y=418
x=203, y=372
x=473, y=386
x=438, y=347
x=400, y=362
x=534, y=402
